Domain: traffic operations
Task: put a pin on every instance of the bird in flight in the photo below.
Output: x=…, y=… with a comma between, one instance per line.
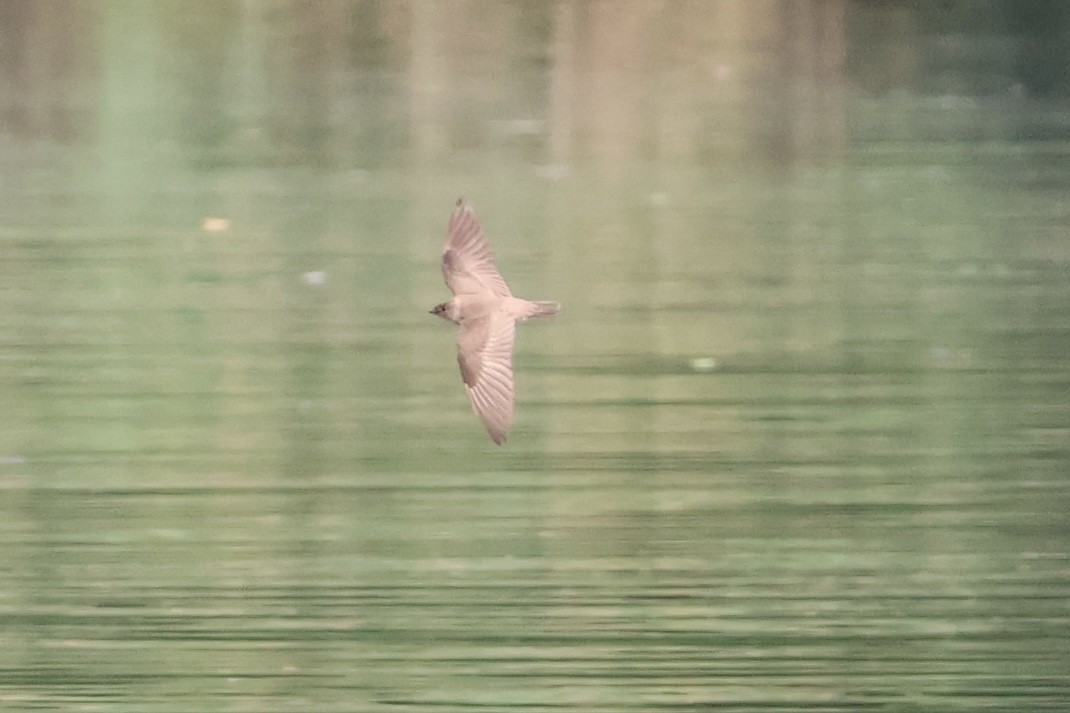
x=486, y=314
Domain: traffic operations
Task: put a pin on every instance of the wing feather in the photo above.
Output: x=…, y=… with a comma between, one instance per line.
x=485, y=354
x=467, y=261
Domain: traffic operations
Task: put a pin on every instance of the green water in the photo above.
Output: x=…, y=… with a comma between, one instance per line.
x=799, y=439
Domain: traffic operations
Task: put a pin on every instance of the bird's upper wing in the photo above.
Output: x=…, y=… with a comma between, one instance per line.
x=485, y=353
x=467, y=262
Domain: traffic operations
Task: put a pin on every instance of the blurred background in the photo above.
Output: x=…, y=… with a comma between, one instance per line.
x=800, y=437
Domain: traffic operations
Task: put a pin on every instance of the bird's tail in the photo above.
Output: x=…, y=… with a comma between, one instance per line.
x=543, y=309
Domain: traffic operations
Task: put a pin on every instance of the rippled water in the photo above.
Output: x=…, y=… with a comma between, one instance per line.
x=798, y=439
x=757, y=476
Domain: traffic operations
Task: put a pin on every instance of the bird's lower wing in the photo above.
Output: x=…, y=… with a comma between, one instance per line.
x=485, y=353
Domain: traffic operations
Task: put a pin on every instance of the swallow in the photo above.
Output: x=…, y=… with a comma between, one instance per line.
x=486, y=314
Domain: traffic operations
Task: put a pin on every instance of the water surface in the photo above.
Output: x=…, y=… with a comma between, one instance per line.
x=798, y=439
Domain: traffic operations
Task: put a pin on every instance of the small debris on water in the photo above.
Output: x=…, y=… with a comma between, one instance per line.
x=703, y=364
x=215, y=225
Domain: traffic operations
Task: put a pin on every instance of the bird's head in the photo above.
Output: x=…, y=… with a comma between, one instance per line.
x=443, y=311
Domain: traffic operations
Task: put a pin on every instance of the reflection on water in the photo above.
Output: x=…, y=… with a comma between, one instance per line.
x=797, y=440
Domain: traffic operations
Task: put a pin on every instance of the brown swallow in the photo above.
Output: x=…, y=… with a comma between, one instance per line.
x=486, y=313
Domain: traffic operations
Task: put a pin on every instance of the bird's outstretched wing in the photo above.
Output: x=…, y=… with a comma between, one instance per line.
x=485, y=353
x=467, y=262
